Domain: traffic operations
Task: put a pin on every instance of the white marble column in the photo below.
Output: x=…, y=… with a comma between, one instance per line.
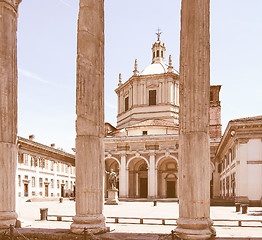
x=194, y=151
x=152, y=176
x=8, y=110
x=122, y=177
x=90, y=118
x=136, y=181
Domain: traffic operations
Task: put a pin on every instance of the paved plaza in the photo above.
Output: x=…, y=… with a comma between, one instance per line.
x=29, y=213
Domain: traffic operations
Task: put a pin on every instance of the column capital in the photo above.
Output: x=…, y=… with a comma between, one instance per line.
x=12, y=3
x=123, y=154
x=152, y=153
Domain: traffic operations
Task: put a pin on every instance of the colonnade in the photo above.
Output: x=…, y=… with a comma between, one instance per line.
x=194, y=221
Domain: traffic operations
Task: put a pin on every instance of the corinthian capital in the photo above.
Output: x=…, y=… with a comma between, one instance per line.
x=12, y=3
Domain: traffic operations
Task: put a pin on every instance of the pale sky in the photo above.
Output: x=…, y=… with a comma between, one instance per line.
x=47, y=32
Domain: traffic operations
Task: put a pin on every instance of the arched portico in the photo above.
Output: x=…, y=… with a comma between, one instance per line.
x=111, y=163
x=167, y=177
x=138, y=177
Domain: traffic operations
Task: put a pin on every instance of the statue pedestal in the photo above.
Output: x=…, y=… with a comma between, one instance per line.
x=112, y=197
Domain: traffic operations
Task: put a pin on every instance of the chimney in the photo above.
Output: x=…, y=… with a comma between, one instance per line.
x=31, y=137
x=52, y=145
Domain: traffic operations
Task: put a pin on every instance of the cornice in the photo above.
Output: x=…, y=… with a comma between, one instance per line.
x=145, y=78
x=240, y=130
x=45, y=151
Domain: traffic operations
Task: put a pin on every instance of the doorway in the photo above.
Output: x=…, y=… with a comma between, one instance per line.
x=46, y=190
x=171, y=189
x=62, y=190
x=26, y=193
x=143, y=188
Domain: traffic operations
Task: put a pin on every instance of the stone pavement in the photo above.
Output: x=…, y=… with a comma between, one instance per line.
x=30, y=213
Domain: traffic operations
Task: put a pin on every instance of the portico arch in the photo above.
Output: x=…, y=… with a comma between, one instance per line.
x=138, y=177
x=167, y=177
x=111, y=163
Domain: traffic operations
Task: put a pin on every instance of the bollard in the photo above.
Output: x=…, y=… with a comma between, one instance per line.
x=43, y=213
x=237, y=207
x=60, y=199
x=155, y=203
x=172, y=234
x=85, y=233
x=12, y=232
x=244, y=208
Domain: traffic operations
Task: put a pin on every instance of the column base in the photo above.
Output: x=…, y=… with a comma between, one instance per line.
x=93, y=223
x=195, y=228
x=7, y=218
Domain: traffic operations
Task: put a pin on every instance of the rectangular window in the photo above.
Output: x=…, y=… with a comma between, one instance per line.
x=25, y=156
x=52, y=183
x=20, y=158
x=126, y=103
x=152, y=97
x=33, y=181
x=52, y=166
x=19, y=180
x=144, y=132
x=40, y=182
x=58, y=184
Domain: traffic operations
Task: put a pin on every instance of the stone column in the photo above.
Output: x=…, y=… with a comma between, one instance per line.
x=152, y=176
x=194, y=152
x=122, y=177
x=8, y=111
x=90, y=118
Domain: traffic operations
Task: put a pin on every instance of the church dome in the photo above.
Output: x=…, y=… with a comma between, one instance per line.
x=156, y=68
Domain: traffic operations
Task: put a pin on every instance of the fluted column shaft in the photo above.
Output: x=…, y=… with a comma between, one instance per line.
x=90, y=118
x=8, y=111
x=194, y=152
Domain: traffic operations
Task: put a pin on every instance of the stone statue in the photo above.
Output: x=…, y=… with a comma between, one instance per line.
x=111, y=179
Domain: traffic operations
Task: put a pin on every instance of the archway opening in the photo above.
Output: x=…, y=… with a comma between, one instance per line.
x=167, y=178
x=138, y=178
x=111, y=163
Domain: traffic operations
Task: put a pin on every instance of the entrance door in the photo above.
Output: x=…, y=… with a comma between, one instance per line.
x=171, y=189
x=143, y=187
x=26, y=189
x=46, y=190
x=62, y=190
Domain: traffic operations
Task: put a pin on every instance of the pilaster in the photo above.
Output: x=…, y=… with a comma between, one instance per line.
x=152, y=176
x=122, y=177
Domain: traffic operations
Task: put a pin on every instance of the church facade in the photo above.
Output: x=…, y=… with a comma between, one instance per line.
x=143, y=148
